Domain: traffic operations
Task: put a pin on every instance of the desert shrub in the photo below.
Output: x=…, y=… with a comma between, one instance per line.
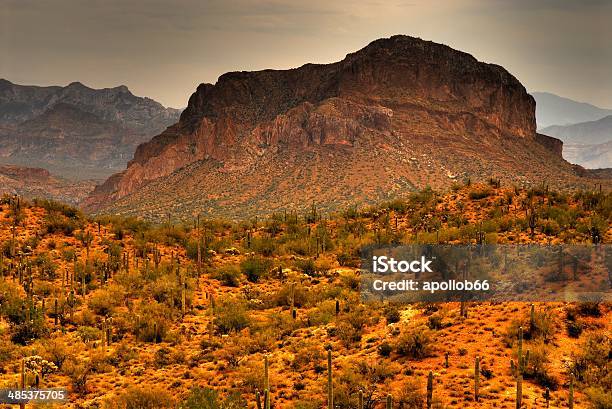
x=55, y=350
x=307, y=354
x=264, y=246
x=255, y=268
x=27, y=332
x=206, y=398
x=600, y=398
x=392, y=314
x=231, y=315
x=167, y=290
x=142, y=398
x=79, y=373
x=574, y=328
x=162, y=357
x=538, y=367
x=362, y=376
x=228, y=275
x=480, y=194
x=591, y=364
x=588, y=309
x=8, y=351
x=151, y=321
x=306, y=266
x=283, y=296
x=10, y=302
x=88, y=333
x=347, y=333
x=385, y=349
x=104, y=301
x=322, y=314
x=411, y=395
x=543, y=328
x=55, y=222
x=64, y=209
x=415, y=342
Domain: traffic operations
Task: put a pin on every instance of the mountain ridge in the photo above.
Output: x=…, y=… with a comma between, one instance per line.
x=588, y=144
x=552, y=109
x=76, y=131
x=272, y=139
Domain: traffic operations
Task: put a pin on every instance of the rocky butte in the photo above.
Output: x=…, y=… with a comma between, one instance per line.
x=398, y=115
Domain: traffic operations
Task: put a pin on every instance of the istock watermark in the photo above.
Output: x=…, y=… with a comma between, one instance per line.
x=439, y=273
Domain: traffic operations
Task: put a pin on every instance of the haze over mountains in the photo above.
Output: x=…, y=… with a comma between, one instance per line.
x=75, y=131
x=586, y=130
x=552, y=109
x=398, y=115
x=588, y=144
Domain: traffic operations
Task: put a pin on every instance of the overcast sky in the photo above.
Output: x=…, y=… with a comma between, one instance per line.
x=164, y=49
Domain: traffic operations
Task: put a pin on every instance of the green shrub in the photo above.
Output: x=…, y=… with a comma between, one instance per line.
x=228, y=275
x=205, y=398
x=29, y=331
x=231, y=316
x=600, y=398
x=415, y=342
x=591, y=364
x=143, y=398
x=254, y=268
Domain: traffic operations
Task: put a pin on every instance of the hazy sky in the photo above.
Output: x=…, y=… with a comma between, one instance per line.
x=164, y=49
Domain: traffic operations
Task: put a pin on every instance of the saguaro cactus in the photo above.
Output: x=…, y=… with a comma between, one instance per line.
x=476, y=378
x=184, y=298
x=571, y=392
x=429, y=390
x=266, y=399
x=266, y=373
x=523, y=361
x=360, y=403
x=330, y=384
x=389, y=401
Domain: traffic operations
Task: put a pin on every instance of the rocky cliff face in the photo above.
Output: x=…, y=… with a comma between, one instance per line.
x=76, y=130
x=417, y=112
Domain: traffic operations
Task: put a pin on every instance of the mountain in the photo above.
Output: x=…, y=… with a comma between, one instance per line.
x=39, y=183
x=400, y=114
x=552, y=109
x=588, y=144
x=76, y=131
x=586, y=133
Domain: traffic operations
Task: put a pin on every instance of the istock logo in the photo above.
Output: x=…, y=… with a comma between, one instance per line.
x=384, y=264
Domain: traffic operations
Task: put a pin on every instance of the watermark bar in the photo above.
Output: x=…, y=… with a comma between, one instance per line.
x=22, y=396
x=497, y=273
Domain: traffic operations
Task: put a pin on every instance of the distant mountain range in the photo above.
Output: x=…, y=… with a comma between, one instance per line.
x=552, y=109
x=588, y=144
x=75, y=131
x=398, y=115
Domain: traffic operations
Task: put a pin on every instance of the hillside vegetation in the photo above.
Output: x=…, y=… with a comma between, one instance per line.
x=212, y=314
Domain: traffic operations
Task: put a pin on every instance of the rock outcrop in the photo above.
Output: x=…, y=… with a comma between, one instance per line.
x=409, y=112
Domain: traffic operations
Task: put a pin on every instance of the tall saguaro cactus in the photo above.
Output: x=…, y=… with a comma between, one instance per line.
x=571, y=392
x=519, y=369
x=429, y=390
x=330, y=383
x=476, y=378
